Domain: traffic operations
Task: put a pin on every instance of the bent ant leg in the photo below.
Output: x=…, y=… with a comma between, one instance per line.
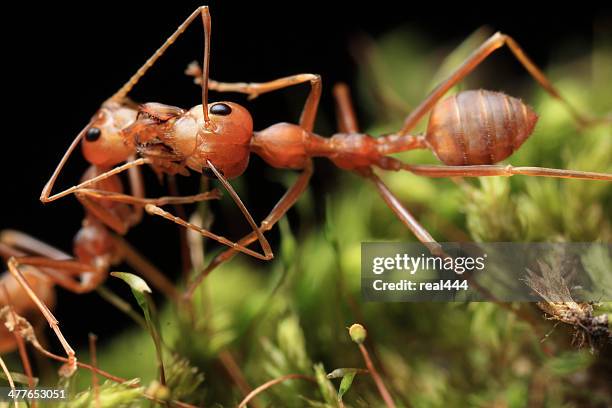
x=7, y=252
x=347, y=120
x=495, y=42
x=267, y=250
x=205, y=14
x=127, y=87
x=125, y=198
x=280, y=209
x=254, y=89
x=45, y=198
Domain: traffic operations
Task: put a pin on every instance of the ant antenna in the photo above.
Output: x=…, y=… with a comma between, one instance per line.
x=205, y=68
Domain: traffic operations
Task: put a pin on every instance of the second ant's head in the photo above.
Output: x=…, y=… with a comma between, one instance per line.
x=103, y=144
x=225, y=142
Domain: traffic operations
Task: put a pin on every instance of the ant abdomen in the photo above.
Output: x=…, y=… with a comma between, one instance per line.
x=478, y=127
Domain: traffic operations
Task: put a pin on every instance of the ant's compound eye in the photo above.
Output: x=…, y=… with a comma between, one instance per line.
x=220, y=109
x=93, y=134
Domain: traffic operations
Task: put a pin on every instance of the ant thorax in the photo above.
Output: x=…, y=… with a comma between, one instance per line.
x=168, y=134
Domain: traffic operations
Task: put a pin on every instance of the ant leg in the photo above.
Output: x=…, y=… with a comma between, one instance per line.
x=127, y=87
x=345, y=113
x=403, y=214
x=21, y=243
x=160, y=201
x=284, y=204
x=254, y=89
x=205, y=14
x=13, y=266
x=45, y=196
x=63, y=271
x=267, y=255
x=495, y=42
x=206, y=70
x=500, y=170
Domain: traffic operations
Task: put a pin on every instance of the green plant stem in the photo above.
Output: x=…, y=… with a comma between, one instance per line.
x=152, y=326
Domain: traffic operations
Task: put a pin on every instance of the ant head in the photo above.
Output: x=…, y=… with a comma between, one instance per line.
x=103, y=144
x=225, y=142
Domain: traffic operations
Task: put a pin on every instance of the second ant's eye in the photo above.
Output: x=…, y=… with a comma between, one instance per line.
x=93, y=134
x=220, y=109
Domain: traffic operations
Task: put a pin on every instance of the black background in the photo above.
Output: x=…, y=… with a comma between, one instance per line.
x=63, y=61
